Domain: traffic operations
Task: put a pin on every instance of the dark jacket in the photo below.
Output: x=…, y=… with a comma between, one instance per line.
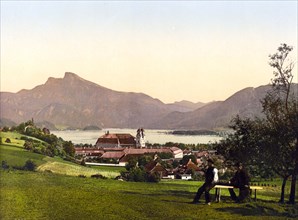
x=240, y=179
x=209, y=175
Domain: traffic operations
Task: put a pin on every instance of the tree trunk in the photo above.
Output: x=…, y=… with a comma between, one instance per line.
x=294, y=178
x=293, y=189
x=283, y=186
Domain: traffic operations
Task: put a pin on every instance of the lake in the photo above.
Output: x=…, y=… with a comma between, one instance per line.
x=152, y=136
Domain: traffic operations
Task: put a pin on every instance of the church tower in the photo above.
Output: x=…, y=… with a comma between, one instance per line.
x=140, y=138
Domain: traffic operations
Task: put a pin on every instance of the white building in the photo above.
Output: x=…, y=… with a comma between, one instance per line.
x=140, y=138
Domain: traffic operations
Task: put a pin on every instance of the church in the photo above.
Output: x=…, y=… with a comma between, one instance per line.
x=109, y=140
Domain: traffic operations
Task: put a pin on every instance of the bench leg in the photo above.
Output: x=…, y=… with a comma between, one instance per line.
x=255, y=195
x=217, y=195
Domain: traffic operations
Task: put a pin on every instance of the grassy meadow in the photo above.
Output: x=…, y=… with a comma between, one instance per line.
x=61, y=194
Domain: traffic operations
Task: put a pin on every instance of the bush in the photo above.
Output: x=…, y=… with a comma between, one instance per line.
x=98, y=176
x=83, y=163
x=7, y=140
x=137, y=175
x=5, y=166
x=153, y=177
x=5, y=129
x=198, y=177
x=30, y=165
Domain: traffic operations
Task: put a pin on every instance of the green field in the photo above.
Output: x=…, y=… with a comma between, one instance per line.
x=64, y=195
x=15, y=155
x=34, y=195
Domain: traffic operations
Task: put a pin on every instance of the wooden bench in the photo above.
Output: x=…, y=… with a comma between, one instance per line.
x=219, y=187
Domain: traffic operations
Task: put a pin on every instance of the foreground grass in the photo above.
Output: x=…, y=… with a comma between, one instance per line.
x=34, y=195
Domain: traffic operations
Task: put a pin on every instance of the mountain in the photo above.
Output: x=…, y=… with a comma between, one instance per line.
x=185, y=106
x=77, y=103
x=216, y=115
x=73, y=102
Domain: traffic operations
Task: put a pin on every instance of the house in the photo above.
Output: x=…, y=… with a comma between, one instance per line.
x=155, y=167
x=119, y=148
x=116, y=141
x=113, y=155
x=177, y=152
x=192, y=166
x=89, y=153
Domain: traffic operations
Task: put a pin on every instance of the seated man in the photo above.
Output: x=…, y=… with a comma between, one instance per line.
x=241, y=181
x=211, y=178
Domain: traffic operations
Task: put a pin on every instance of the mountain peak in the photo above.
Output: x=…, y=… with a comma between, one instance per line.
x=70, y=75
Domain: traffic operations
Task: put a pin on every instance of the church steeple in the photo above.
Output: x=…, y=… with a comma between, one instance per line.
x=140, y=138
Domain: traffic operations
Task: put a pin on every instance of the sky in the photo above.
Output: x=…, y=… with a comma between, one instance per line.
x=199, y=51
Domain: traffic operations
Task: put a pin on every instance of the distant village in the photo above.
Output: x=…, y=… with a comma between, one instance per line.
x=114, y=149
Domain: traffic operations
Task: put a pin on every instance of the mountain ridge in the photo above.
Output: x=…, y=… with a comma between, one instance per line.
x=74, y=102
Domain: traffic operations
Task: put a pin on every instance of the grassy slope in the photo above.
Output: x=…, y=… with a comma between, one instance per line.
x=15, y=155
x=42, y=195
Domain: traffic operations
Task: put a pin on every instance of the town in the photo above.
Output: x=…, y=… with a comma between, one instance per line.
x=114, y=149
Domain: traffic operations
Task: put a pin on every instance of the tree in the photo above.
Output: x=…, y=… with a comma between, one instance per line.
x=272, y=141
x=278, y=141
x=242, y=146
x=69, y=149
x=281, y=106
x=30, y=165
x=186, y=159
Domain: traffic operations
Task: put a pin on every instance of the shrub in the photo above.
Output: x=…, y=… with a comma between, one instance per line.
x=137, y=175
x=30, y=165
x=198, y=176
x=5, y=166
x=7, y=140
x=153, y=177
x=98, y=176
x=5, y=129
x=83, y=163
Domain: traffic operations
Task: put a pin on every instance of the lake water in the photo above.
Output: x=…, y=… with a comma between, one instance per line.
x=152, y=136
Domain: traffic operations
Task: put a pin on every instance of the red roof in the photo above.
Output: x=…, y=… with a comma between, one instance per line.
x=191, y=165
x=122, y=139
x=176, y=149
x=115, y=155
x=88, y=150
x=134, y=151
x=201, y=154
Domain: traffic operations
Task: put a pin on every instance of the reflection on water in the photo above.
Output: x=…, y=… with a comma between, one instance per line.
x=152, y=136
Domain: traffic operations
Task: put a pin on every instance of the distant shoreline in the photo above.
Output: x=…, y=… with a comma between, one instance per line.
x=194, y=132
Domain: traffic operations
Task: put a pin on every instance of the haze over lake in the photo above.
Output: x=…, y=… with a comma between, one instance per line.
x=152, y=136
